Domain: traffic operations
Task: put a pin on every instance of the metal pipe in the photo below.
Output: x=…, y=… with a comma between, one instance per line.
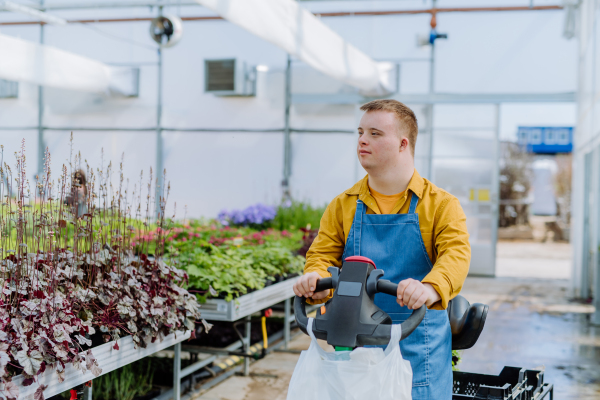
x=595, y=236
x=40, y=128
x=496, y=187
x=287, y=147
x=431, y=92
x=436, y=11
x=326, y=14
x=247, y=343
x=176, y=372
x=87, y=392
x=287, y=311
x=159, y=139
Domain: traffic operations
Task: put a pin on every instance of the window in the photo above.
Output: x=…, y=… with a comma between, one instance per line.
x=563, y=136
x=535, y=136
x=550, y=136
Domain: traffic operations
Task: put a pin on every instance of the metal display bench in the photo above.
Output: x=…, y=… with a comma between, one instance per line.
x=108, y=359
x=231, y=311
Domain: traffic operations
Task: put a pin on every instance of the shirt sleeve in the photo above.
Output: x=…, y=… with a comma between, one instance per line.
x=451, y=245
x=328, y=247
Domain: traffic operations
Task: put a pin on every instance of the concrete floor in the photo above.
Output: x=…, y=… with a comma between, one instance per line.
x=531, y=324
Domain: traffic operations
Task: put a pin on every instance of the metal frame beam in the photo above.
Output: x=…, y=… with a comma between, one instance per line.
x=441, y=98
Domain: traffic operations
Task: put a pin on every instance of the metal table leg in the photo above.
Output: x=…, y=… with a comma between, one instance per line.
x=286, y=325
x=87, y=392
x=247, y=346
x=177, y=372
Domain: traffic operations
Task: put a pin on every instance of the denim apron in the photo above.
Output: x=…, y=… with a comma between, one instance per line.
x=395, y=244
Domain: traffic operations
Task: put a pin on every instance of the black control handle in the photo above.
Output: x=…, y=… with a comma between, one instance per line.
x=300, y=307
x=383, y=286
x=324, y=284
x=412, y=322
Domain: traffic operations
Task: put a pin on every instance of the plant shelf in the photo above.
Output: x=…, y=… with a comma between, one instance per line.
x=108, y=358
x=221, y=310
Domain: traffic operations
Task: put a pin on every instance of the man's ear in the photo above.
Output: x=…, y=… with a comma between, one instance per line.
x=403, y=144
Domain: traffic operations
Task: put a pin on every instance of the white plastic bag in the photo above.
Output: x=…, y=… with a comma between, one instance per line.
x=362, y=374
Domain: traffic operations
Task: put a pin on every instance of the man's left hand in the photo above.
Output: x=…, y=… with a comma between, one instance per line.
x=414, y=294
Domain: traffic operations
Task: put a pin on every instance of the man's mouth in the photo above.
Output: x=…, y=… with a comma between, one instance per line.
x=364, y=152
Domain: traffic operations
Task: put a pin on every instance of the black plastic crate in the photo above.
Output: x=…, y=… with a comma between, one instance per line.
x=512, y=384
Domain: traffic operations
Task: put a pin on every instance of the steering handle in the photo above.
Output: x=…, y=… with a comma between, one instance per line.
x=412, y=322
x=383, y=286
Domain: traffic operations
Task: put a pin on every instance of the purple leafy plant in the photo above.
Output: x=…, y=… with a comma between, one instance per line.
x=66, y=275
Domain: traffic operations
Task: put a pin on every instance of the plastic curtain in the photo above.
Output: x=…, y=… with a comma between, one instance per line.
x=25, y=61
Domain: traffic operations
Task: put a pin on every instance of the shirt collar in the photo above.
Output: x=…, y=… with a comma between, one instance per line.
x=361, y=188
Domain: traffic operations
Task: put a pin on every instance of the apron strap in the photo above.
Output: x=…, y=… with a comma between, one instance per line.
x=413, y=203
x=361, y=209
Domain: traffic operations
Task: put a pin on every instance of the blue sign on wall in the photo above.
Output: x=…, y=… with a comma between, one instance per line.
x=546, y=140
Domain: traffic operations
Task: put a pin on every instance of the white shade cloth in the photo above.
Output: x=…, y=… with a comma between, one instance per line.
x=25, y=61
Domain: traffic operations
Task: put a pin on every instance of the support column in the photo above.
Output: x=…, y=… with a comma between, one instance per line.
x=287, y=144
x=595, y=235
x=159, y=130
x=286, y=325
x=247, y=346
x=87, y=392
x=177, y=372
x=431, y=106
x=40, y=138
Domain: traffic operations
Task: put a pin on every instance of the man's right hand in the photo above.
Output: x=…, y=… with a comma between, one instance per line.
x=305, y=287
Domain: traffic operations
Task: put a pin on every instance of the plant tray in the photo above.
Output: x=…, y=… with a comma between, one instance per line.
x=108, y=359
x=221, y=310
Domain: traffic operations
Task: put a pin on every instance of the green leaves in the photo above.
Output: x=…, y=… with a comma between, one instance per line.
x=232, y=271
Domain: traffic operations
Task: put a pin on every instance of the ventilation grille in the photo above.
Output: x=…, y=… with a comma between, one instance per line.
x=220, y=75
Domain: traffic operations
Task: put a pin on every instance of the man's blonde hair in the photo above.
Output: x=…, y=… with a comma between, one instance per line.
x=402, y=112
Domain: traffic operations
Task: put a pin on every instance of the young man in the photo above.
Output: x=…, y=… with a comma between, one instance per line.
x=413, y=230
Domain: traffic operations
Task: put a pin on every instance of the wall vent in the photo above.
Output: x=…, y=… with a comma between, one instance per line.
x=229, y=77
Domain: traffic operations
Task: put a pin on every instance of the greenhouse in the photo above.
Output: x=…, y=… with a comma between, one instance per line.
x=172, y=172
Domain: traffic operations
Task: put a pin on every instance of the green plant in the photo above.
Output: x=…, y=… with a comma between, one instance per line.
x=232, y=271
x=456, y=357
x=297, y=214
x=124, y=383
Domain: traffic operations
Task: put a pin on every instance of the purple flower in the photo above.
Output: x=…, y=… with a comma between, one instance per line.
x=256, y=214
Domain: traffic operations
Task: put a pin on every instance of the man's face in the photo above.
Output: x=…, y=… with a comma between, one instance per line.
x=379, y=141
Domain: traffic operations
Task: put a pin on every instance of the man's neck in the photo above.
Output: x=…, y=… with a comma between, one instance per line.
x=391, y=181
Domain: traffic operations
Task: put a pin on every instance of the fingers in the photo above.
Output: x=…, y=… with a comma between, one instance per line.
x=305, y=287
x=401, y=288
x=412, y=294
x=321, y=295
x=420, y=301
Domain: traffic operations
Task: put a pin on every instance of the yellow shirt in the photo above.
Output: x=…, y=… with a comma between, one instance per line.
x=385, y=202
x=442, y=223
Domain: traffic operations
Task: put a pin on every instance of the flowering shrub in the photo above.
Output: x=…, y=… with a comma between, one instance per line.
x=255, y=215
x=68, y=277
